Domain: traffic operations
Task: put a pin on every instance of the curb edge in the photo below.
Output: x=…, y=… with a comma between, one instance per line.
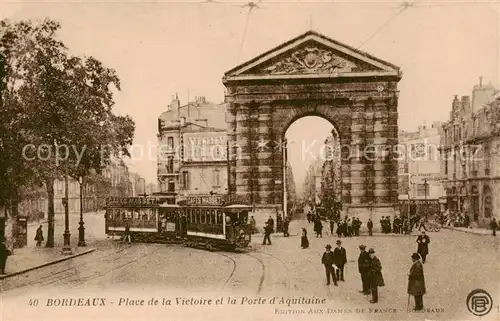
x=66, y=258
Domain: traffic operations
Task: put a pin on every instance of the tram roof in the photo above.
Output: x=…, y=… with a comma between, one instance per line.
x=169, y=205
x=238, y=206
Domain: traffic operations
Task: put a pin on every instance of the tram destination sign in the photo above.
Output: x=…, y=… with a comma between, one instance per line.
x=205, y=200
x=132, y=201
x=216, y=200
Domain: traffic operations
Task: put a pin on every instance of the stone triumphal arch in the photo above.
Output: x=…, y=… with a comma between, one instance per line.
x=315, y=75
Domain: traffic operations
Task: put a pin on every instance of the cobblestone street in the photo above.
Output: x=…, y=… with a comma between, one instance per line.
x=281, y=269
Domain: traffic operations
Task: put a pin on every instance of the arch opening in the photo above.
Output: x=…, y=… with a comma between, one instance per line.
x=312, y=165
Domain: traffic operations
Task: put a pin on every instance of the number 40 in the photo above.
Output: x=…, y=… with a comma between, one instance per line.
x=33, y=302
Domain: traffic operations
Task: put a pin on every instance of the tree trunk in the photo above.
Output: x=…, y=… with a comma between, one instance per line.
x=50, y=213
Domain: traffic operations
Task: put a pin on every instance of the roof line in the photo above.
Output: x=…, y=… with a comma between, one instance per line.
x=307, y=33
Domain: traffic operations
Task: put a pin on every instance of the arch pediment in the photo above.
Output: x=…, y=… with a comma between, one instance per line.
x=312, y=55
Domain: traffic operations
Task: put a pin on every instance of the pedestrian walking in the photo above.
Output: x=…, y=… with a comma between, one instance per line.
x=340, y=259
x=127, y=237
x=423, y=245
x=270, y=222
x=4, y=253
x=494, y=226
x=286, y=224
x=369, y=225
x=318, y=227
x=332, y=225
x=375, y=278
x=253, y=224
x=416, y=282
x=39, y=236
x=304, y=242
x=363, y=268
x=328, y=261
x=267, y=234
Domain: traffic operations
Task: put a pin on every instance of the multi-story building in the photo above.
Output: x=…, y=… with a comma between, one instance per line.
x=114, y=181
x=470, y=158
x=138, y=185
x=331, y=180
x=420, y=163
x=192, y=151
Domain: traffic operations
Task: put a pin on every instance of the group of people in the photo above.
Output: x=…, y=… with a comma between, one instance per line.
x=370, y=270
x=347, y=227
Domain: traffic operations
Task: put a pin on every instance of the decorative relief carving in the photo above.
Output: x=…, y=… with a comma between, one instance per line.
x=310, y=60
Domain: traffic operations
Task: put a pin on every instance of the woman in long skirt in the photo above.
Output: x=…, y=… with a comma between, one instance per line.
x=304, y=242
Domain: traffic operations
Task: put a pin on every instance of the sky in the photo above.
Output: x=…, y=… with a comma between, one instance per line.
x=161, y=48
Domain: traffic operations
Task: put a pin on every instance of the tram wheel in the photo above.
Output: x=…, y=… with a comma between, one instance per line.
x=210, y=246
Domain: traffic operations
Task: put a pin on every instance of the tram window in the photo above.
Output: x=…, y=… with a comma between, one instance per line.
x=219, y=217
x=198, y=216
x=203, y=216
x=123, y=215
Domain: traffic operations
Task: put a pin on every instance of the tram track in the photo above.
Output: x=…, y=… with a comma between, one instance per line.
x=285, y=265
x=74, y=270
x=261, y=280
x=232, y=271
x=114, y=269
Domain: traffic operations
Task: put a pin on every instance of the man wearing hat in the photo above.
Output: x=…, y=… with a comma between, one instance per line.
x=328, y=261
x=340, y=259
x=416, y=282
x=363, y=268
x=374, y=275
x=423, y=245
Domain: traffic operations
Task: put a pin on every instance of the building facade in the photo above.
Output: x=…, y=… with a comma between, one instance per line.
x=192, y=154
x=138, y=185
x=470, y=158
x=114, y=181
x=419, y=167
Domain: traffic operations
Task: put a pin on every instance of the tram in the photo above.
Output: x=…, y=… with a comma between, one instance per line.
x=212, y=223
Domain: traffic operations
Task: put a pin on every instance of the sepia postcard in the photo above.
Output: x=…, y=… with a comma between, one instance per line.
x=250, y=160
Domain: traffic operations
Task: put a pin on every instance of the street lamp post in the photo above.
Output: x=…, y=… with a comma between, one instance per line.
x=66, y=245
x=81, y=229
x=425, y=196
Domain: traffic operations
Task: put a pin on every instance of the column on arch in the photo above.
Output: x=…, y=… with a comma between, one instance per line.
x=392, y=142
x=383, y=162
x=243, y=168
x=265, y=161
x=357, y=143
x=232, y=138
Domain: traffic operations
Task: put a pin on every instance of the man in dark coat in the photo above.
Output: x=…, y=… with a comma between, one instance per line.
x=369, y=225
x=416, y=282
x=286, y=224
x=332, y=225
x=270, y=222
x=267, y=234
x=363, y=268
x=4, y=253
x=494, y=226
x=39, y=236
x=340, y=259
x=318, y=227
x=374, y=275
x=328, y=261
x=423, y=245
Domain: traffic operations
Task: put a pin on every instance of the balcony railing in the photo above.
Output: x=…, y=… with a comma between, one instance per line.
x=474, y=173
x=164, y=171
